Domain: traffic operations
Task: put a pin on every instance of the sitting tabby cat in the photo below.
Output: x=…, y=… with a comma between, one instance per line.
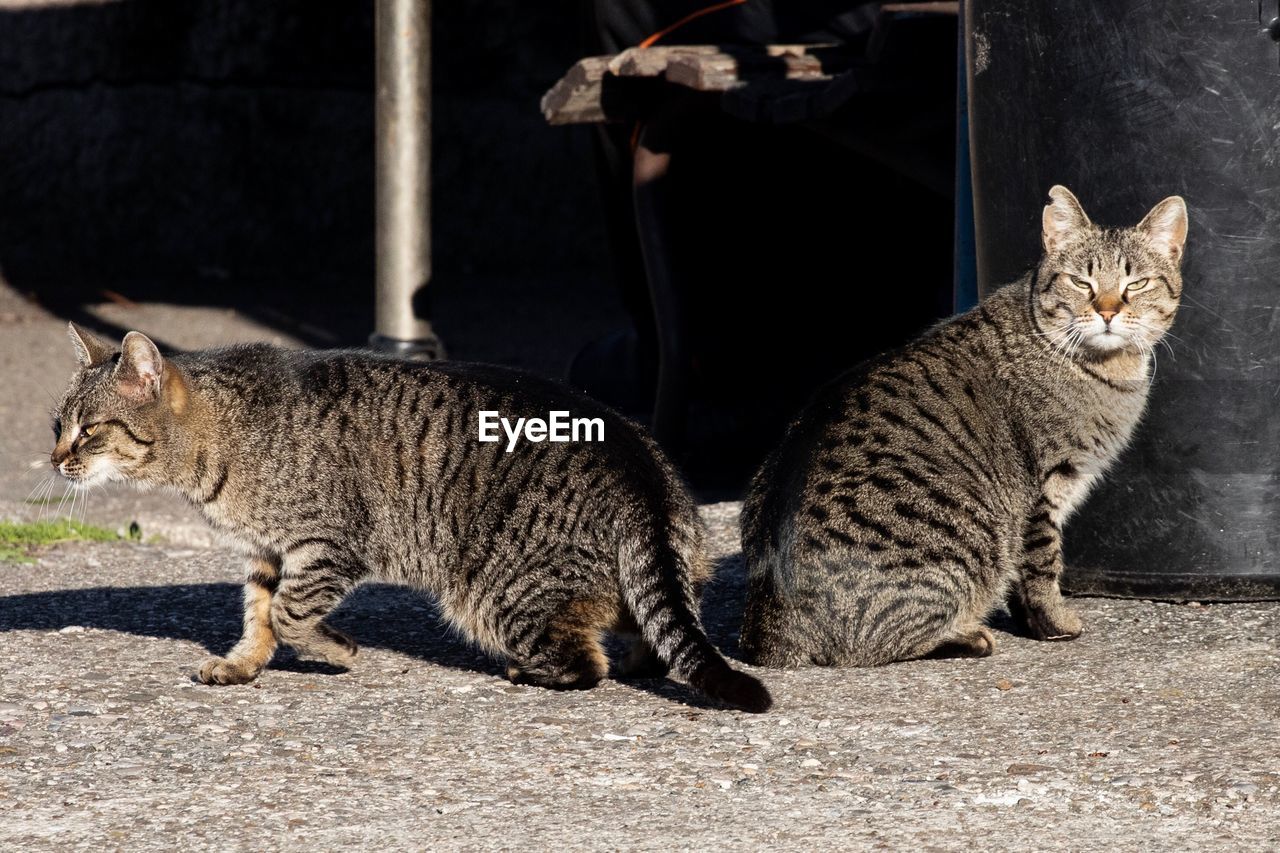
x=918, y=491
x=336, y=468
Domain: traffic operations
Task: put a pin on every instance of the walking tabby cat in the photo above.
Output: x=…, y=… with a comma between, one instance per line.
x=335, y=468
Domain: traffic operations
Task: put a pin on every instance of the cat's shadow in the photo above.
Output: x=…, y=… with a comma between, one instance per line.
x=376, y=615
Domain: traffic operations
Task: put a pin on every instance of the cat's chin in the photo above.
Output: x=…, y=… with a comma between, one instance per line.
x=1104, y=345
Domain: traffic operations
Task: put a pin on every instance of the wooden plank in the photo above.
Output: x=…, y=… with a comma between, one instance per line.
x=792, y=75
x=716, y=73
x=722, y=72
x=575, y=98
x=930, y=7
x=652, y=61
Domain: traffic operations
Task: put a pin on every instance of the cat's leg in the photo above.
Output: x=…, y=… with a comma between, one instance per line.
x=1037, y=600
x=560, y=649
x=309, y=590
x=258, y=642
x=641, y=661
x=975, y=641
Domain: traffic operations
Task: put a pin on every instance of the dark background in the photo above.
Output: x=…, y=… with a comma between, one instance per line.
x=220, y=153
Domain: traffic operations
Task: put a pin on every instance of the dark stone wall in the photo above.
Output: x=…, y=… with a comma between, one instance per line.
x=226, y=141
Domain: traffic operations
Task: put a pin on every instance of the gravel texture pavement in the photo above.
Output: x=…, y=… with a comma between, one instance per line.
x=1156, y=729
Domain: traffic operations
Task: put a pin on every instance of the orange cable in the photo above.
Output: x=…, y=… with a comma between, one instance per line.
x=692, y=16
x=665, y=31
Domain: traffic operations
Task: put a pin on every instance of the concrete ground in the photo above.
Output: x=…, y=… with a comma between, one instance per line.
x=1157, y=729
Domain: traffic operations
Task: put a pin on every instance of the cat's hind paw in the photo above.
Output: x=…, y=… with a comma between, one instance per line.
x=977, y=642
x=224, y=671
x=325, y=645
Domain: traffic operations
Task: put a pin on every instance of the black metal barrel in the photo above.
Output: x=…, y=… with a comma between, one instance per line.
x=1126, y=102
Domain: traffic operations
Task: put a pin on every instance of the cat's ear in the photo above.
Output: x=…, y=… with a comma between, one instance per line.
x=90, y=351
x=1166, y=227
x=140, y=369
x=1063, y=219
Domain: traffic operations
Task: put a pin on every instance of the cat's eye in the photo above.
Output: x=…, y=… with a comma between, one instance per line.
x=57, y=428
x=1135, y=286
x=90, y=429
x=1081, y=283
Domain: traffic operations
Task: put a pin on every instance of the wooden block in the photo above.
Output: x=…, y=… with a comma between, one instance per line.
x=928, y=7
x=774, y=83
x=575, y=98
x=725, y=71
x=716, y=73
x=652, y=61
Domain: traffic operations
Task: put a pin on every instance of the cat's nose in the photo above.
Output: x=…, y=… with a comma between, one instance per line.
x=58, y=456
x=1107, y=315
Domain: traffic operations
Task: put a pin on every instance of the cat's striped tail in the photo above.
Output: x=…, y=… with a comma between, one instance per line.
x=656, y=585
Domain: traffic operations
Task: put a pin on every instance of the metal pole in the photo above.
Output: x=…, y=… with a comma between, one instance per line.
x=403, y=178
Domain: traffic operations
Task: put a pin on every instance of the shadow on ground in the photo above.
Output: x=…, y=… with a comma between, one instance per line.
x=377, y=616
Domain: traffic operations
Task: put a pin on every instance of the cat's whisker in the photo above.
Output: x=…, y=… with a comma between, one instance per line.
x=1162, y=338
x=42, y=496
x=1153, y=337
x=34, y=496
x=1191, y=301
x=88, y=495
x=1076, y=340
x=67, y=493
x=45, y=389
x=45, y=501
x=38, y=484
x=1061, y=343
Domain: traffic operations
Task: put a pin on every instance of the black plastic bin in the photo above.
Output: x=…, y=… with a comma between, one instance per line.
x=1126, y=102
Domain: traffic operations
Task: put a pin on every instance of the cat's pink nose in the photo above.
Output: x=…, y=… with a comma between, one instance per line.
x=1107, y=315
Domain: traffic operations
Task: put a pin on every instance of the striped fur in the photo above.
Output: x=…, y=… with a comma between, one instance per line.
x=338, y=468
x=917, y=492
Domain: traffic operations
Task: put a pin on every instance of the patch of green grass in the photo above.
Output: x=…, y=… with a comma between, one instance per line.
x=19, y=539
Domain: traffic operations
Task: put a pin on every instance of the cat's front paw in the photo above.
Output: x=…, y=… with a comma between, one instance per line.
x=1058, y=623
x=223, y=671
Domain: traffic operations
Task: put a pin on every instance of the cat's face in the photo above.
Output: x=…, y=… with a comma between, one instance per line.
x=113, y=420
x=1102, y=292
